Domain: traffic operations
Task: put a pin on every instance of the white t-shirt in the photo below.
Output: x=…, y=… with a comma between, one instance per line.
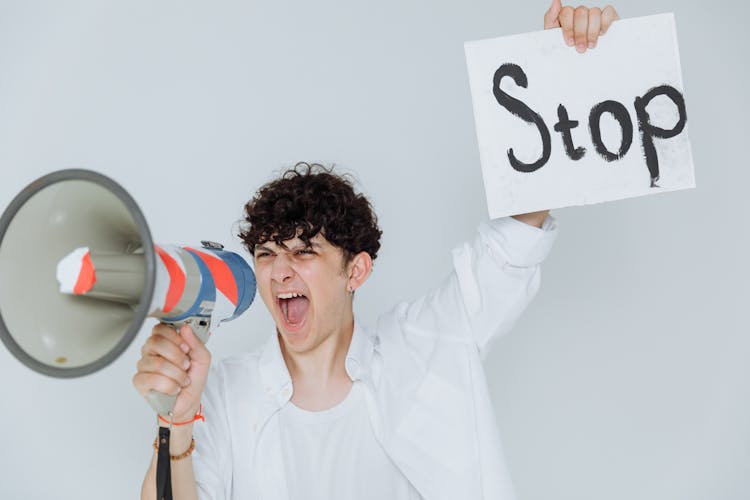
x=333, y=454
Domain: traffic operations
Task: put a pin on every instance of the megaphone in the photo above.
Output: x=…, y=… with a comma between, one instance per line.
x=79, y=274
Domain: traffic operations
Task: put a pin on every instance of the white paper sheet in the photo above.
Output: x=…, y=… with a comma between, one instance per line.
x=635, y=56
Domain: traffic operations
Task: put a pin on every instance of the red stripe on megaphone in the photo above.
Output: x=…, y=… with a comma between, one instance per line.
x=86, y=277
x=176, y=280
x=222, y=274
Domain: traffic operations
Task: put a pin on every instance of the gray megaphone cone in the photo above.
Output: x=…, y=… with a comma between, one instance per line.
x=52, y=333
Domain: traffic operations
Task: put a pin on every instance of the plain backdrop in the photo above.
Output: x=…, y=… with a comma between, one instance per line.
x=628, y=376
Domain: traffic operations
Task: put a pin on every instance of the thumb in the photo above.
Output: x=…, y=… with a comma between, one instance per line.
x=551, y=16
x=198, y=352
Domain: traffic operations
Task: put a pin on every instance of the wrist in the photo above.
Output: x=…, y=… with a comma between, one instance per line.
x=535, y=219
x=179, y=420
x=180, y=438
x=165, y=424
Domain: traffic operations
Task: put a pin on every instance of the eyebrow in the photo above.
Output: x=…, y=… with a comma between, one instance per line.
x=312, y=244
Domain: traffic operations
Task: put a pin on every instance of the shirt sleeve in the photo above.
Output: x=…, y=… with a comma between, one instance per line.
x=493, y=280
x=212, y=463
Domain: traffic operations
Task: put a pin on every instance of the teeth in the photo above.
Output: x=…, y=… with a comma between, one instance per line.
x=289, y=295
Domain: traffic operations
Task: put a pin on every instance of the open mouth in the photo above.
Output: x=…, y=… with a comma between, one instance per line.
x=293, y=307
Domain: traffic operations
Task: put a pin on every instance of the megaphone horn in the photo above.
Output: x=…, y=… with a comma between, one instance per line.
x=80, y=233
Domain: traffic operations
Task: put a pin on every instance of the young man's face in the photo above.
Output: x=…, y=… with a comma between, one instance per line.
x=305, y=289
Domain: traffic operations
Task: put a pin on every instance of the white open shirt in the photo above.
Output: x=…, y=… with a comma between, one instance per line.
x=421, y=370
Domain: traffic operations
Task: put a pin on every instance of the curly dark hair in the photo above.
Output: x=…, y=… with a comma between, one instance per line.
x=308, y=199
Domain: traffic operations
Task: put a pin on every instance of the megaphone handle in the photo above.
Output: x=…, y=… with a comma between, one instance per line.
x=163, y=404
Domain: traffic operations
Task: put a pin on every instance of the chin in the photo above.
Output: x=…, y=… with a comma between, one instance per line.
x=295, y=339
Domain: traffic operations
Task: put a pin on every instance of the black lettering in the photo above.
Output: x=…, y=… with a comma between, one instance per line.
x=618, y=111
x=563, y=126
x=649, y=131
x=522, y=111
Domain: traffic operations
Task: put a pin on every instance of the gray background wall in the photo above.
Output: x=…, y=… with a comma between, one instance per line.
x=626, y=378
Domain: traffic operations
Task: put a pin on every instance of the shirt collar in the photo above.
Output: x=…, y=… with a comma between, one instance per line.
x=277, y=382
x=360, y=352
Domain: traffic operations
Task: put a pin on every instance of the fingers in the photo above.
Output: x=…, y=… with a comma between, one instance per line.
x=566, y=23
x=550, y=17
x=172, y=335
x=166, y=343
x=176, y=364
x=160, y=366
x=164, y=362
x=609, y=15
x=581, y=28
x=595, y=22
x=146, y=381
x=197, y=351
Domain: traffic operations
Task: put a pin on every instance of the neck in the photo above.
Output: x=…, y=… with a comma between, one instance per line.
x=325, y=363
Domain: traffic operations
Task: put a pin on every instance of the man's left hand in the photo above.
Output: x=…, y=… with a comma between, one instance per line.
x=581, y=26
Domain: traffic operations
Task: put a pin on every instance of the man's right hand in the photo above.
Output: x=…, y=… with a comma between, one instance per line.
x=173, y=363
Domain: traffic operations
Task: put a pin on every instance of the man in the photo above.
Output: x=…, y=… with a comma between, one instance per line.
x=330, y=409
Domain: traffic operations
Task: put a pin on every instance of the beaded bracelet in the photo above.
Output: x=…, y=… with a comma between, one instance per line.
x=181, y=455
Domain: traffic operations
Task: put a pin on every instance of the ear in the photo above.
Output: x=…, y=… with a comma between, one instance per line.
x=358, y=270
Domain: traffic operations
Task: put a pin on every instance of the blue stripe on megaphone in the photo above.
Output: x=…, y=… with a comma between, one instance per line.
x=243, y=277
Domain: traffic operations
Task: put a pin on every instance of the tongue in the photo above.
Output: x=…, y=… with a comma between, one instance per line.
x=296, y=309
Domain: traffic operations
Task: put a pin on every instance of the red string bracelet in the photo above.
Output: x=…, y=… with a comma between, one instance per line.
x=198, y=416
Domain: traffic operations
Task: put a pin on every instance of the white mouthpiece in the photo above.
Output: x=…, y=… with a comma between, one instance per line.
x=75, y=272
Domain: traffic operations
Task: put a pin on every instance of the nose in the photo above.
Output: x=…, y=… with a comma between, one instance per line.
x=281, y=269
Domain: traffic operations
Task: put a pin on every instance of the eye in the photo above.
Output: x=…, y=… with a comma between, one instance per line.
x=305, y=251
x=261, y=254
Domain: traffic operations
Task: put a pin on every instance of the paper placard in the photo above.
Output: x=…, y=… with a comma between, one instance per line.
x=623, y=116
